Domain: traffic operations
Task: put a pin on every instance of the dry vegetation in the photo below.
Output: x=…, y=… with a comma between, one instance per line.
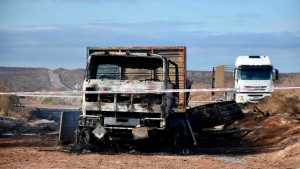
x=7, y=103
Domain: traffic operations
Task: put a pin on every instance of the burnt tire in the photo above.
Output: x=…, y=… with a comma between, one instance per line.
x=83, y=140
x=211, y=115
x=83, y=136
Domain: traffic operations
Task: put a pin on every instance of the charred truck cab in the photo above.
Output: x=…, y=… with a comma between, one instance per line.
x=115, y=103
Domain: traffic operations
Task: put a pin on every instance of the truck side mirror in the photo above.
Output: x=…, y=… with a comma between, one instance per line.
x=276, y=74
x=235, y=75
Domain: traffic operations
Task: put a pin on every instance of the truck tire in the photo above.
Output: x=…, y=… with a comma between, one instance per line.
x=82, y=136
x=68, y=125
x=179, y=136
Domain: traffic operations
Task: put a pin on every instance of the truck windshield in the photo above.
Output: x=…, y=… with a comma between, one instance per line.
x=108, y=71
x=126, y=68
x=255, y=74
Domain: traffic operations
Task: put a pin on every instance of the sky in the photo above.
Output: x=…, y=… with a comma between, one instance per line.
x=55, y=33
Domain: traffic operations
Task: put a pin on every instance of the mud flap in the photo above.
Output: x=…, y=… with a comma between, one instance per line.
x=68, y=125
x=140, y=133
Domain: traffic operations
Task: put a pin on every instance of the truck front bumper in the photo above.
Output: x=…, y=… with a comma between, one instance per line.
x=130, y=128
x=250, y=97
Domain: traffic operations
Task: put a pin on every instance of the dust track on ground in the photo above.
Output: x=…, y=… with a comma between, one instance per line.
x=55, y=80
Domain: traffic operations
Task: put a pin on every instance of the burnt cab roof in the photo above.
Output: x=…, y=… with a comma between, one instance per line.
x=142, y=60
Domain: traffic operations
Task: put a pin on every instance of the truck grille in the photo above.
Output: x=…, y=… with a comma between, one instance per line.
x=125, y=98
x=256, y=88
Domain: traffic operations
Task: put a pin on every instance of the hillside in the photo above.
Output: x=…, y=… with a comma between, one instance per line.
x=25, y=79
x=72, y=79
x=42, y=79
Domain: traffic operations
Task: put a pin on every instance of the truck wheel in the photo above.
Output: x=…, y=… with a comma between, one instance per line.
x=82, y=140
x=180, y=143
x=83, y=136
x=68, y=125
x=180, y=140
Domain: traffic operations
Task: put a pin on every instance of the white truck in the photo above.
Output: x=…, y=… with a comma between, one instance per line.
x=253, y=78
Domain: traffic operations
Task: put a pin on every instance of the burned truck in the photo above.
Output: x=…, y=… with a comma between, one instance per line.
x=126, y=98
x=124, y=92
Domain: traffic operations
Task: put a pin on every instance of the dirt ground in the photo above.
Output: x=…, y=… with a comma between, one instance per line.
x=30, y=152
x=274, y=142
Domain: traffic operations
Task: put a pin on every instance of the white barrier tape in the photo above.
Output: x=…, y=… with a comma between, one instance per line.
x=43, y=93
x=286, y=88
x=160, y=91
x=49, y=93
x=204, y=101
x=131, y=91
x=54, y=96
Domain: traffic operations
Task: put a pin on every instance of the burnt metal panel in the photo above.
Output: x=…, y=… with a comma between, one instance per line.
x=176, y=54
x=220, y=76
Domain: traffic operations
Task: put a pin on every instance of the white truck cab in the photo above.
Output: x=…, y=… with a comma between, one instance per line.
x=253, y=76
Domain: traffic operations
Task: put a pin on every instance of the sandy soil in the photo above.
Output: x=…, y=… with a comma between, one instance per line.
x=41, y=152
x=276, y=126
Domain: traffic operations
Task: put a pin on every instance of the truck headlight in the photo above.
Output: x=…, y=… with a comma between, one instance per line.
x=241, y=98
x=162, y=124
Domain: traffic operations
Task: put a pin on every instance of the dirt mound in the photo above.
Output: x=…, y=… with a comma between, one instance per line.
x=275, y=120
x=280, y=103
x=274, y=130
x=288, y=156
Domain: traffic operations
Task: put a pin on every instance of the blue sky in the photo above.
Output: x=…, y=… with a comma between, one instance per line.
x=55, y=33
